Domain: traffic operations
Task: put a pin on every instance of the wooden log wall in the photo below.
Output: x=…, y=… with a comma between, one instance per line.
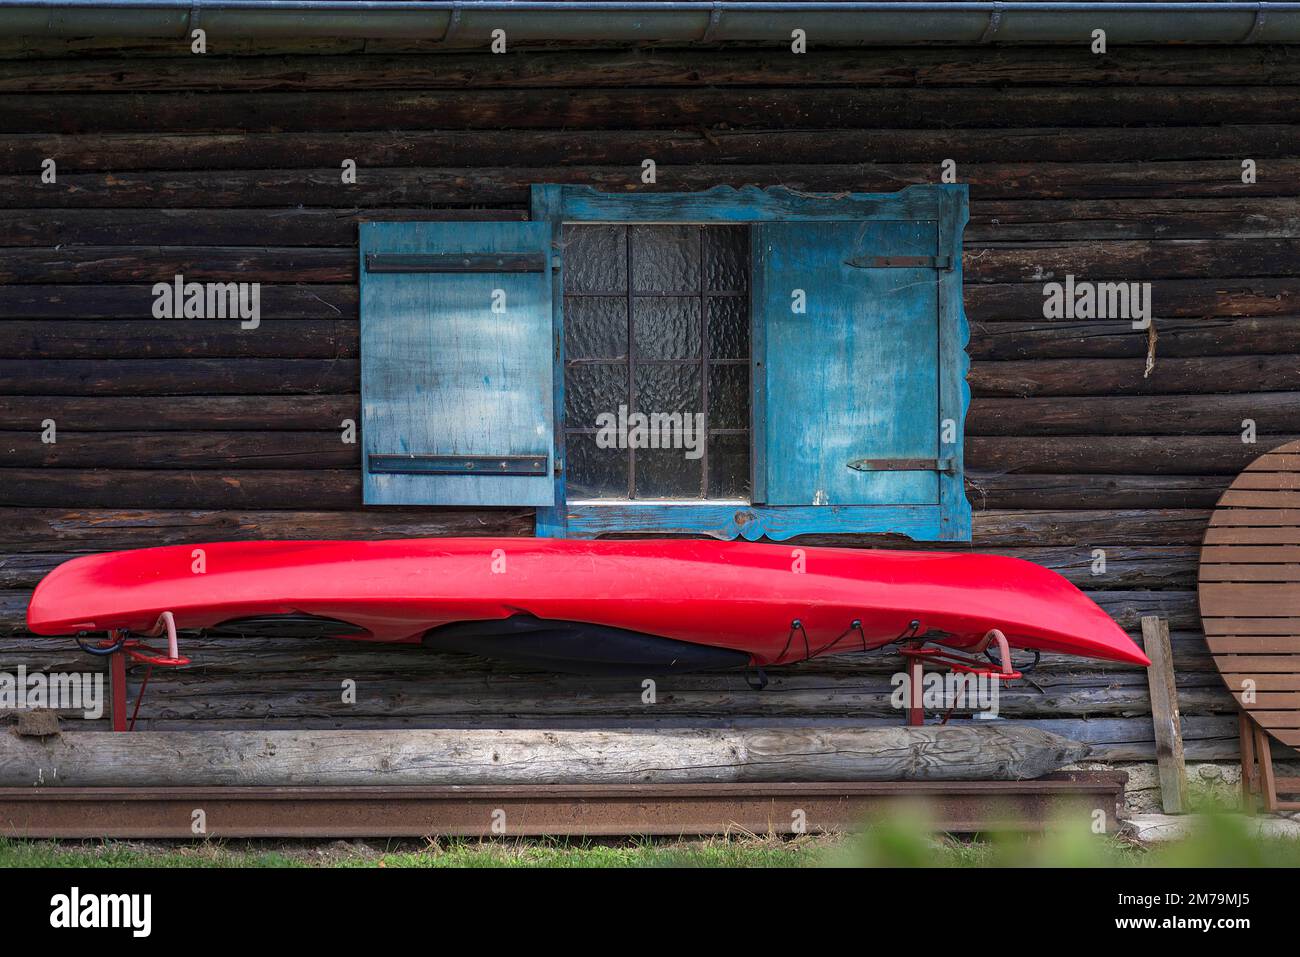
x=1124, y=167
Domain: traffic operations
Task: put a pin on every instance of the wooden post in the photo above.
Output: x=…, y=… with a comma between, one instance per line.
x=1164, y=715
x=1249, y=770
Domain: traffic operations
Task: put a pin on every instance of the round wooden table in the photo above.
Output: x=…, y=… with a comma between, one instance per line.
x=1249, y=586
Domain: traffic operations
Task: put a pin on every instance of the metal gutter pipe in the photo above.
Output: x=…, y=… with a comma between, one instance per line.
x=470, y=23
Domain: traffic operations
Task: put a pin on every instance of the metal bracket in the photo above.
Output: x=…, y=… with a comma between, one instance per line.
x=946, y=465
x=900, y=262
x=715, y=18
x=411, y=464
x=455, y=262
x=995, y=21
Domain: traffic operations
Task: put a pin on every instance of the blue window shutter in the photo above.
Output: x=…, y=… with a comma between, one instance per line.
x=847, y=392
x=457, y=401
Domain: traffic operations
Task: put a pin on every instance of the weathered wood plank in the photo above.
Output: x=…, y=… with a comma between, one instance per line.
x=987, y=490
x=176, y=338
x=177, y=376
x=158, y=69
x=1165, y=716
x=256, y=149
x=1276, y=412
x=188, y=450
x=1122, y=454
x=1223, y=336
x=271, y=758
x=159, y=483
x=271, y=487
x=1085, y=377
x=991, y=220
x=535, y=108
x=180, y=413
x=1177, y=299
x=107, y=529
x=982, y=263
x=406, y=187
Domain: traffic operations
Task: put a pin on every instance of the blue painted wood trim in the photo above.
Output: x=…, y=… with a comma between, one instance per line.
x=757, y=370
x=946, y=205
x=749, y=204
x=954, y=364
x=545, y=207
x=752, y=522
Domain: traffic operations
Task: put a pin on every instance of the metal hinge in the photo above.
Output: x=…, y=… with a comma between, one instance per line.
x=455, y=262
x=900, y=262
x=946, y=465
x=457, y=464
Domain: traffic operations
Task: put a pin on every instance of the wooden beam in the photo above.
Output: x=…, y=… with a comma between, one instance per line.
x=1001, y=751
x=1164, y=715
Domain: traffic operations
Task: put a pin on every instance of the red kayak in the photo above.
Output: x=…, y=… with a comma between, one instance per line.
x=587, y=606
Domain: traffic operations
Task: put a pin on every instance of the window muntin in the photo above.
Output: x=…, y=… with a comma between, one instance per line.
x=657, y=323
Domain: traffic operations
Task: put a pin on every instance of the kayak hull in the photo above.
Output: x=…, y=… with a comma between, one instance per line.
x=740, y=596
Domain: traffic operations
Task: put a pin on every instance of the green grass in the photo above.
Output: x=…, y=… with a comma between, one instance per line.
x=537, y=852
x=1223, y=841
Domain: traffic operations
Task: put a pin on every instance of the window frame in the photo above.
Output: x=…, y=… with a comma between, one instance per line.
x=943, y=204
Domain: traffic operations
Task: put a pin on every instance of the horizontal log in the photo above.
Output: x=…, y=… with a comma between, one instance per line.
x=1078, y=455
x=1172, y=299
x=272, y=487
x=110, y=529
x=494, y=186
x=987, y=490
x=1110, y=454
x=1131, y=260
x=285, y=697
x=177, y=376
x=260, y=376
x=1110, y=339
x=911, y=66
x=991, y=220
x=135, y=301
x=1275, y=413
x=1087, y=377
x=737, y=108
x=985, y=302
x=180, y=413
x=511, y=186
x=161, y=759
x=172, y=450
x=177, y=338
x=1206, y=738
x=167, y=150
x=26, y=529
x=1130, y=218
x=165, y=485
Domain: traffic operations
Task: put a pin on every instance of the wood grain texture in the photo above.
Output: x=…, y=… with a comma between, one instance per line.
x=276, y=758
x=1249, y=588
x=1125, y=166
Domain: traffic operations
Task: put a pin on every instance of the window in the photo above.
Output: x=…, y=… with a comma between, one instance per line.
x=755, y=363
x=656, y=325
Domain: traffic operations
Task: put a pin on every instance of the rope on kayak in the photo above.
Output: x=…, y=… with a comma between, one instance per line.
x=757, y=677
